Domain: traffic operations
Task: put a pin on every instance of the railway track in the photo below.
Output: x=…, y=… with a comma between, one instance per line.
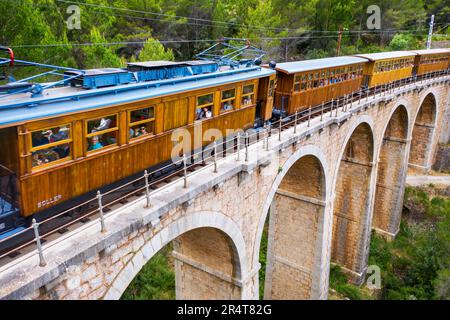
x=57, y=226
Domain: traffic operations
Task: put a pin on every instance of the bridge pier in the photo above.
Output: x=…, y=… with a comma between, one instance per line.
x=295, y=256
x=352, y=206
x=422, y=137
x=392, y=169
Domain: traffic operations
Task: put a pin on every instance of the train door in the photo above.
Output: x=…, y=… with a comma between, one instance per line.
x=266, y=93
x=9, y=190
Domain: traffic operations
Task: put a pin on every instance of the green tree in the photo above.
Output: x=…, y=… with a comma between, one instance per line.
x=264, y=17
x=99, y=55
x=404, y=42
x=154, y=50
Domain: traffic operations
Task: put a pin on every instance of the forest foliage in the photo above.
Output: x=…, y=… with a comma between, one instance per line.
x=114, y=32
x=414, y=266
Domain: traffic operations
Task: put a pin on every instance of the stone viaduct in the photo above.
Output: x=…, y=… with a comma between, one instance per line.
x=326, y=187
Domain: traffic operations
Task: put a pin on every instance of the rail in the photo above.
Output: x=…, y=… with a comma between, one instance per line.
x=239, y=142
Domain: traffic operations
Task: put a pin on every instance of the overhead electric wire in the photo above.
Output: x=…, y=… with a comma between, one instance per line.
x=213, y=22
x=161, y=41
x=200, y=25
x=222, y=22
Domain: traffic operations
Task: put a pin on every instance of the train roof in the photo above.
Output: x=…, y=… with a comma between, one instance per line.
x=431, y=51
x=20, y=107
x=163, y=63
x=317, y=64
x=386, y=55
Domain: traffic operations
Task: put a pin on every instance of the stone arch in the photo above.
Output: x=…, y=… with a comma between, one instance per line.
x=422, y=135
x=185, y=229
x=352, y=200
x=391, y=173
x=297, y=247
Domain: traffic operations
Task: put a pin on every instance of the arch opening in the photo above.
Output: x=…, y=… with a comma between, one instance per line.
x=391, y=175
x=352, y=203
x=296, y=214
x=208, y=253
x=422, y=136
x=200, y=264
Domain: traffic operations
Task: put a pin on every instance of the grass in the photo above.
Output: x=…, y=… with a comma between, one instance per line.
x=339, y=283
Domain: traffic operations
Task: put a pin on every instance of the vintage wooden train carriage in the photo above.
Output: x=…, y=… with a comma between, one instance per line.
x=72, y=141
x=308, y=83
x=431, y=60
x=385, y=67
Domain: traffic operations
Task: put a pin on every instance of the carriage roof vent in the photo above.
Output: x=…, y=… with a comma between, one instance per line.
x=98, y=78
x=161, y=70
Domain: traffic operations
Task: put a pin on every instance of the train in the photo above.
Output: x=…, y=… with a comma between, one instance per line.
x=62, y=141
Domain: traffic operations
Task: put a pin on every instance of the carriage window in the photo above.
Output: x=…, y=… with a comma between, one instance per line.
x=248, y=95
x=331, y=78
x=271, y=88
x=50, y=145
x=297, y=81
x=228, y=100
x=142, y=122
x=101, y=133
x=205, y=105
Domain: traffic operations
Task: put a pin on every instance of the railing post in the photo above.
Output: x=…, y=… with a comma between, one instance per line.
x=279, y=130
x=246, y=147
x=332, y=105
x=100, y=210
x=295, y=122
x=367, y=97
x=267, y=137
x=147, y=187
x=238, y=147
x=309, y=117
x=215, y=157
x=42, y=262
x=321, y=113
x=185, y=171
